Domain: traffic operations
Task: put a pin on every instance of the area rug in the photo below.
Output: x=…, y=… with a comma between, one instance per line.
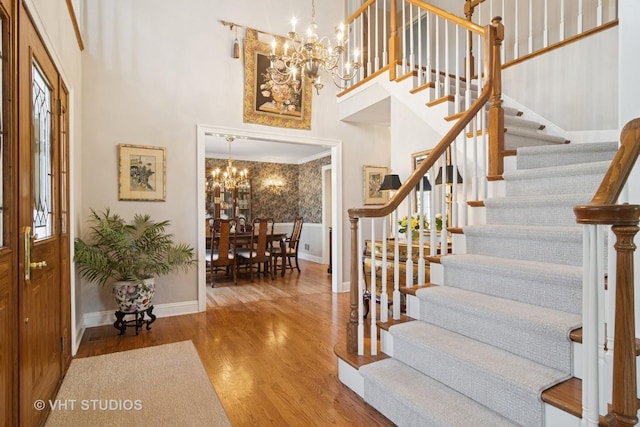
x=162, y=385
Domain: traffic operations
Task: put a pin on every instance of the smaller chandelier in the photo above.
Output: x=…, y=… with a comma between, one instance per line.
x=311, y=55
x=231, y=178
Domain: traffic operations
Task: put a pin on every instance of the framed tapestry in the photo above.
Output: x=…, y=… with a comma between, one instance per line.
x=372, y=179
x=141, y=172
x=266, y=101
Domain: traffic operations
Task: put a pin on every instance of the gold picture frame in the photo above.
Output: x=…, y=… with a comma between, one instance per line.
x=286, y=105
x=372, y=177
x=141, y=172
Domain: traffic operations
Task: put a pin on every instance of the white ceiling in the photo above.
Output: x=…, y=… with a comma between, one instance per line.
x=273, y=151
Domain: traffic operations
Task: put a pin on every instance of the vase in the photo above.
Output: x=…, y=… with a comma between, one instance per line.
x=415, y=235
x=131, y=297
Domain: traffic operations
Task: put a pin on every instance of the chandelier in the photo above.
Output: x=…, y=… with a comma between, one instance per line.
x=312, y=54
x=231, y=178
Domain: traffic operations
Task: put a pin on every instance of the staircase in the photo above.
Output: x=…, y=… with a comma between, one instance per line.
x=495, y=333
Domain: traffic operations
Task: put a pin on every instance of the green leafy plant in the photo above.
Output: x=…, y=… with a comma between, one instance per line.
x=129, y=251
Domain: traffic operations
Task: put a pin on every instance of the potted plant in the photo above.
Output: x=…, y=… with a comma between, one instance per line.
x=130, y=255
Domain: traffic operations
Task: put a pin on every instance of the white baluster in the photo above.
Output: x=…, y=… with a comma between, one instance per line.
x=516, y=37
x=372, y=302
x=562, y=22
x=385, y=38
x=412, y=56
x=530, y=27
x=545, y=31
x=396, y=270
x=376, y=64
x=590, y=387
x=369, y=64
x=384, y=298
x=360, y=292
x=579, y=17
x=420, y=72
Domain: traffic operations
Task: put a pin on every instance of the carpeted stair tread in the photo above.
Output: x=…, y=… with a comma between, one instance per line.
x=515, y=138
x=407, y=398
x=554, y=244
x=554, y=286
x=545, y=156
x=517, y=121
x=540, y=210
x=578, y=178
x=499, y=380
x=538, y=333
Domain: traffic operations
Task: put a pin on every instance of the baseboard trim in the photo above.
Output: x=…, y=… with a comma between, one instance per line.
x=312, y=258
x=100, y=318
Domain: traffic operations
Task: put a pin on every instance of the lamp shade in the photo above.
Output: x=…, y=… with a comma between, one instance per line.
x=449, y=176
x=390, y=182
x=426, y=185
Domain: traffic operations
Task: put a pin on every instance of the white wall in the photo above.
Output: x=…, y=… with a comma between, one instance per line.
x=152, y=70
x=579, y=93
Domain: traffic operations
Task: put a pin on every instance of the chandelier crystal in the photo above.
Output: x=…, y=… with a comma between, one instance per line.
x=311, y=54
x=231, y=178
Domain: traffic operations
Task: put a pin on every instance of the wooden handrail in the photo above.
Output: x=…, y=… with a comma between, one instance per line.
x=624, y=219
x=621, y=166
x=478, y=29
x=358, y=12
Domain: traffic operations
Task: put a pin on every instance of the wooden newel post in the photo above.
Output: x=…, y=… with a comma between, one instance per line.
x=496, y=112
x=352, y=325
x=624, y=403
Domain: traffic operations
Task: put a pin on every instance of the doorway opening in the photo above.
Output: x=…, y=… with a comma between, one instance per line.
x=261, y=142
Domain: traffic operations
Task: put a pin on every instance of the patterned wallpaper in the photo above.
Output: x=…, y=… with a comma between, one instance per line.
x=301, y=192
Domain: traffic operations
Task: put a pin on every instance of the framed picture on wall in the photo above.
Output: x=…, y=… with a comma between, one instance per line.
x=372, y=179
x=141, y=172
x=275, y=102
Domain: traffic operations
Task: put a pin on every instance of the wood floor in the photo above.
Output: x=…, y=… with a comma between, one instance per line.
x=267, y=347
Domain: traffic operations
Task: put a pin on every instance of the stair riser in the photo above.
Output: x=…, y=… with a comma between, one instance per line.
x=531, y=249
x=554, y=185
x=496, y=331
x=557, y=292
x=538, y=215
x=533, y=160
x=486, y=389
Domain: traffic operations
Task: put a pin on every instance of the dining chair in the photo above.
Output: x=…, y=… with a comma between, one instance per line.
x=258, y=253
x=288, y=251
x=223, y=247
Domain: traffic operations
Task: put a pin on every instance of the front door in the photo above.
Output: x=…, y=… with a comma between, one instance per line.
x=43, y=252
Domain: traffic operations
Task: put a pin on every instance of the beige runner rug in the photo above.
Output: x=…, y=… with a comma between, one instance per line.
x=165, y=385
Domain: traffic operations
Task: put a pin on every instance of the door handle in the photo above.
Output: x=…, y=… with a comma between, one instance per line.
x=28, y=265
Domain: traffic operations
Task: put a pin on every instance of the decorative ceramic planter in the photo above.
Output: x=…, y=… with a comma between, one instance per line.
x=131, y=296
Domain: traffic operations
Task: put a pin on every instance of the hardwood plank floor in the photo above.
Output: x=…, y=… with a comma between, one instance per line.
x=267, y=347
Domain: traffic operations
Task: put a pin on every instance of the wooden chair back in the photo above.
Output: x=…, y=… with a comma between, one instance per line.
x=223, y=242
x=294, y=239
x=261, y=238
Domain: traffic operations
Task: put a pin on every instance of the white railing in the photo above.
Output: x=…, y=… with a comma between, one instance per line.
x=447, y=76
x=533, y=25
x=609, y=385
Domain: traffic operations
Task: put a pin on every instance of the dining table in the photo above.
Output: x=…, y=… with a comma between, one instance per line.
x=243, y=238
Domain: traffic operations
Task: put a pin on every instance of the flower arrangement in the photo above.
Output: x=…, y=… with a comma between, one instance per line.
x=413, y=226
x=284, y=95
